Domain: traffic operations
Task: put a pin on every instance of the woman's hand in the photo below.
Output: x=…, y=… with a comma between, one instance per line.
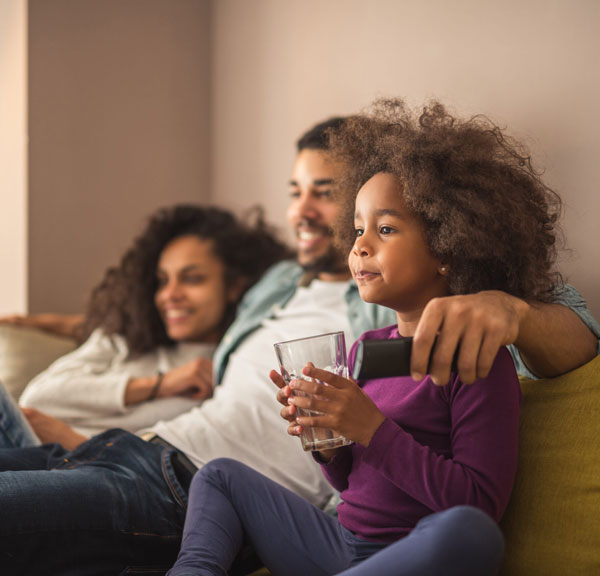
x=49, y=429
x=345, y=407
x=193, y=380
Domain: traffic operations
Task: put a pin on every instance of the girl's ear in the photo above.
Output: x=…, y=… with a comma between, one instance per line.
x=235, y=288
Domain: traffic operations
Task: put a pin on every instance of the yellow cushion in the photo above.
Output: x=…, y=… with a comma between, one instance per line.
x=552, y=524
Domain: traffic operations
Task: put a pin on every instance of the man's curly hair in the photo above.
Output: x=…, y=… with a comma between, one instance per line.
x=123, y=302
x=484, y=209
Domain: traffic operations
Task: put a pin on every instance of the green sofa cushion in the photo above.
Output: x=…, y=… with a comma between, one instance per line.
x=552, y=524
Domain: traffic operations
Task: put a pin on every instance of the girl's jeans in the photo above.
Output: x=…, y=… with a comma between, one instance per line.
x=230, y=503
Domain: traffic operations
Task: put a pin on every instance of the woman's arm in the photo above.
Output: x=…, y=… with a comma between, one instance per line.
x=88, y=382
x=193, y=380
x=68, y=325
x=98, y=380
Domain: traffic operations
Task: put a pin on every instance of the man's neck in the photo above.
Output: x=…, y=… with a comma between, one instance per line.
x=308, y=276
x=334, y=276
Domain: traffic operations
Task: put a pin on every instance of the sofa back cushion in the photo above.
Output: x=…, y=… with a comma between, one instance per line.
x=25, y=352
x=552, y=523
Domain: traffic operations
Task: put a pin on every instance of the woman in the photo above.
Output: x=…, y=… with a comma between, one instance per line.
x=152, y=325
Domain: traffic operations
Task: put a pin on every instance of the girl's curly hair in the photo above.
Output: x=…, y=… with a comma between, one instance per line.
x=484, y=209
x=123, y=302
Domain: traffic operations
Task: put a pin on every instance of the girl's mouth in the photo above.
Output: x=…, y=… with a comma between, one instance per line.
x=365, y=275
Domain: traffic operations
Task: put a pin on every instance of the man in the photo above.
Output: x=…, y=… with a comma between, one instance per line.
x=117, y=502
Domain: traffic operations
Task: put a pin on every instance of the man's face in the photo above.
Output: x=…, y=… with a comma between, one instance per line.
x=312, y=211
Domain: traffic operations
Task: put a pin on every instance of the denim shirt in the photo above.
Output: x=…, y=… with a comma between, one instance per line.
x=278, y=285
x=567, y=296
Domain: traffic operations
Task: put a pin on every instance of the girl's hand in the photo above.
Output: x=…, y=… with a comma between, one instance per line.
x=288, y=412
x=345, y=407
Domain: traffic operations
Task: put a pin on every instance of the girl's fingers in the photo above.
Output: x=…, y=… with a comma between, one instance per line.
x=316, y=404
x=288, y=413
x=283, y=395
x=326, y=376
x=322, y=421
x=295, y=429
x=277, y=378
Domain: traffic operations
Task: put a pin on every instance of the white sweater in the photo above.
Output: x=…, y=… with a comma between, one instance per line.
x=86, y=388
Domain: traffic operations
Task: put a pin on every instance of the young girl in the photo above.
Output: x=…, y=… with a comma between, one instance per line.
x=152, y=326
x=444, y=207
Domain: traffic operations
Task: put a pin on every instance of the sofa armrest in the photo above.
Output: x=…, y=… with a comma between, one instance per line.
x=25, y=352
x=552, y=526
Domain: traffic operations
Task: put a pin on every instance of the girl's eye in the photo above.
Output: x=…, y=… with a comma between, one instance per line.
x=385, y=230
x=358, y=232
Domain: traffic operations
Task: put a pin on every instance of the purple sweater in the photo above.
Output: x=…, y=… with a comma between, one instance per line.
x=438, y=447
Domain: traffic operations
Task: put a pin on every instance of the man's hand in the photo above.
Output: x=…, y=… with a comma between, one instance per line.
x=49, y=429
x=475, y=324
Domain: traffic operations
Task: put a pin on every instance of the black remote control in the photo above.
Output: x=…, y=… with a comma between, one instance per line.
x=385, y=358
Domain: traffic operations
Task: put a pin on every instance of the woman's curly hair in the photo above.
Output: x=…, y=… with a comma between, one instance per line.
x=484, y=209
x=123, y=302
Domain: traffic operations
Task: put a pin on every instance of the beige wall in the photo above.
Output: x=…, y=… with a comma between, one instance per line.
x=118, y=125
x=13, y=156
x=136, y=103
x=278, y=67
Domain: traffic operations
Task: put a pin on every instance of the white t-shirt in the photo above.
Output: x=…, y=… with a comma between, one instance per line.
x=242, y=419
x=86, y=388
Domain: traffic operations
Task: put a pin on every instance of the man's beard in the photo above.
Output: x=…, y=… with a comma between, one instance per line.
x=332, y=262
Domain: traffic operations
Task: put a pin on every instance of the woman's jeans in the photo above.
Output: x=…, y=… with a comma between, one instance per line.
x=231, y=503
x=112, y=506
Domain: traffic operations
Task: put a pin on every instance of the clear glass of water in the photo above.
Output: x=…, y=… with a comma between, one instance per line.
x=326, y=351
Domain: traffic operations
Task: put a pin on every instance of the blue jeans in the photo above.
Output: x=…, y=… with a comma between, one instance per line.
x=112, y=506
x=231, y=503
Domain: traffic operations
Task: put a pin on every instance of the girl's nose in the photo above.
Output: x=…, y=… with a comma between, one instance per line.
x=361, y=246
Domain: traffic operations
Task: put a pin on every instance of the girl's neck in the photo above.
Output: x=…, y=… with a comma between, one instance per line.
x=408, y=321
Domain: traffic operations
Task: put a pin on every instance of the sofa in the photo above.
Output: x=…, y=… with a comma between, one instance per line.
x=552, y=523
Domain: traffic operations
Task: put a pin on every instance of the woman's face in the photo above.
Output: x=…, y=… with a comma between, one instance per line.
x=192, y=297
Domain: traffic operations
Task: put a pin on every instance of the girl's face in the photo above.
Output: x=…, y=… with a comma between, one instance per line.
x=191, y=297
x=390, y=260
